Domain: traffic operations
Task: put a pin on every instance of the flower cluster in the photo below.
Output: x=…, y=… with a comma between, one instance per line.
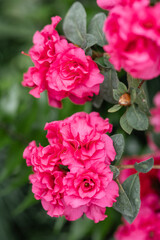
x=146, y=224
x=61, y=68
x=155, y=112
x=72, y=175
x=132, y=31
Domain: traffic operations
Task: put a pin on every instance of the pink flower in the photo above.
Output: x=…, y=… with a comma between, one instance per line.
x=145, y=226
x=83, y=138
x=43, y=50
x=109, y=4
x=73, y=74
x=61, y=68
x=35, y=78
x=133, y=38
x=70, y=175
x=155, y=112
x=89, y=191
x=42, y=159
x=48, y=187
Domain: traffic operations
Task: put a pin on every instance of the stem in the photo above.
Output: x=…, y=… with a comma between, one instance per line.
x=96, y=54
x=141, y=83
x=121, y=167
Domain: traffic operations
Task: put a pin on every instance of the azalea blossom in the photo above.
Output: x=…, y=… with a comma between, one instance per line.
x=133, y=40
x=61, y=68
x=72, y=175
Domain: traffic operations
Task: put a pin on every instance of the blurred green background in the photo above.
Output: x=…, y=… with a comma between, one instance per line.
x=22, y=119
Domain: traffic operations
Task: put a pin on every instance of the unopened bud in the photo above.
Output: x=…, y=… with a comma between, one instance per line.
x=125, y=100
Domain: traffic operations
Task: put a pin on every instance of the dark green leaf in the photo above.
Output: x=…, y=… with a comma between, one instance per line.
x=74, y=25
x=119, y=144
x=123, y=204
x=124, y=124
x=115, y=171
x=144, y=166
x=96, y=28
x=136, y=118
x=115, y=108
x=132, y=188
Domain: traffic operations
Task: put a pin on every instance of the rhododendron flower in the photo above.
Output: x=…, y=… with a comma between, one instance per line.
x=145, y=226
x=73, y=73
x=90, y=191
x=83, y=138
x=42, y=159
x=155, y=112
x=71, y=177
x=48, y=187
x=61, y=68
x=43, y=50
x=109, y=4
x=133, y=38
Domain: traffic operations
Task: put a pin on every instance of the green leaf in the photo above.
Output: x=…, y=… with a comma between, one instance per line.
x=144, y=166
x=123, y=204
x=124, y=124
x=133, y=94
x=115, y=108
x=96, y=28
x=122, y=88
x=132, y=188
x=115, y=171
x=74, y=25
x=119, y=144
x=136, y=118
x=106, y=88
x=141, y=100
x=132, y=82
x=90, y=41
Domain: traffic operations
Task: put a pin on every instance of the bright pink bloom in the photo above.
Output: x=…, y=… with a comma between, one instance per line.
x=155, y=112
x=43, y=50
x=83, y=139
x=61, y=68
x=35, y=78
x=73, y=74
x=89, y=191
x=133, y=38
x=70, y=175
x=42, y=159
x=27, y=154
x=145, y=226
x=48, y=187
x=109, y=4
